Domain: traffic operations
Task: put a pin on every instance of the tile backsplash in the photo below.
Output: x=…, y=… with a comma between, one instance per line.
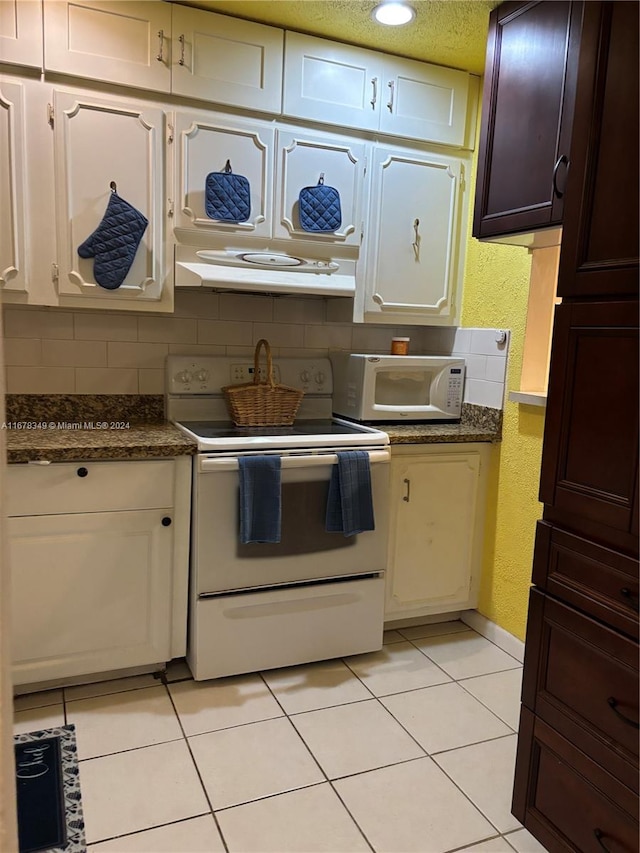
x=53, y=351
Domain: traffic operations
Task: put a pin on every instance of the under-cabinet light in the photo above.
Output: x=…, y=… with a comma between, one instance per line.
x=393, y=14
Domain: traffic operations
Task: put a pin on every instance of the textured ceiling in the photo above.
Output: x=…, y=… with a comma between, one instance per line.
x=445, y=32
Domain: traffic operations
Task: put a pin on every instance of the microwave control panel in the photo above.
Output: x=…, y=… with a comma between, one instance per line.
x=455, y=385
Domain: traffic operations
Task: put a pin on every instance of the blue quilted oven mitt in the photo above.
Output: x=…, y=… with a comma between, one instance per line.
x=319, y=208
x=227, y=197
x=115, y=242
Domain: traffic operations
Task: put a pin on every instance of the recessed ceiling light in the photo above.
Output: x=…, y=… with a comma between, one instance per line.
x=393, y=14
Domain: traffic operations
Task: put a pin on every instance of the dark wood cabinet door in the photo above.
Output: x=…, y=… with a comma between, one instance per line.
x=582, y=679
x=590, y=452
x=598, y=580
x=599, y=254
x=566, y=800
x=527, y=112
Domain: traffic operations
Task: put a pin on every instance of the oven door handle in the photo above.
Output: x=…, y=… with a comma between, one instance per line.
x=231, y=464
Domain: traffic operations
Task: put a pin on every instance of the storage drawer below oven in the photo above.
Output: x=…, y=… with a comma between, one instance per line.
x=231, y=634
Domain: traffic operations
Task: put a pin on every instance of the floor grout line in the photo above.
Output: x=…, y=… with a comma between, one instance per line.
x=148, y=829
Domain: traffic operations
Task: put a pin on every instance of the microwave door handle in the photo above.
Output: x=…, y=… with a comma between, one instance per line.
x=288, y=462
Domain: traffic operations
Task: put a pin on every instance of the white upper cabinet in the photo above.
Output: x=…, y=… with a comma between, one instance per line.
x=340, y=84
x=205, y=142
x=226, y=60
x=97, y=143
x=415, y=239
x=304, y=159
x=118, y=42
x=424, y=101
x=332, y=83
x=13, y=178
x=27, y=233
x=21, y=32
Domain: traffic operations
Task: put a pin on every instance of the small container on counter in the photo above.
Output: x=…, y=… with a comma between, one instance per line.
x=400, y=346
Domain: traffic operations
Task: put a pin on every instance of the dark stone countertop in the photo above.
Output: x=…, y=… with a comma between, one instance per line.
x=478, y=423
x=71, y=428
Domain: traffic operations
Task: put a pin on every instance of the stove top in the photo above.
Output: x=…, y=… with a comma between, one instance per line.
x=311, y=434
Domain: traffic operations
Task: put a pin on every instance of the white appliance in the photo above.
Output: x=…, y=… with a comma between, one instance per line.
x=390, y=388
x=268, y=267
x=313, y=596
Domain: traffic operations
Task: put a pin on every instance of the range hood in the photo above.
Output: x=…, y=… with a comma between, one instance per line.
x=263, y=270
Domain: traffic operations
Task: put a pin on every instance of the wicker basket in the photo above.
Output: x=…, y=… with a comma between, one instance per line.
x=262, y=403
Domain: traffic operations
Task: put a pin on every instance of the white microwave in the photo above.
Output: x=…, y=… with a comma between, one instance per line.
x=400, y=388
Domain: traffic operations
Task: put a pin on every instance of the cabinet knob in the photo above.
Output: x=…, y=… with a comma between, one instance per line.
x=166, y=521
x=82, y=472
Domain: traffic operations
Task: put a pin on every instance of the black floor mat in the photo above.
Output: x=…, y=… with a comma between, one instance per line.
x=48, y=792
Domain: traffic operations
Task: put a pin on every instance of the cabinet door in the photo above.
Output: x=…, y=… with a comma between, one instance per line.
x=98, y=142
x=416, y=238
x=205, y=142
x=528, y=100
x=302, y=159
x=21, y=32
x=119, y=42
x=13, y=274
x=600, y=239
x=226, y=60
x=91, y=593
x=424, y=102
x=332, y=83
x=434, y=532
x=27, y=232
x=590, y=456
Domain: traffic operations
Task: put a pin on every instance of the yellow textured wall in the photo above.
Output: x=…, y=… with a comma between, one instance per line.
x=496, y=288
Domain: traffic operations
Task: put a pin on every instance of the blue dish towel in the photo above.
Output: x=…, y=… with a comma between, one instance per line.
x=350, y=502
x=260, y=499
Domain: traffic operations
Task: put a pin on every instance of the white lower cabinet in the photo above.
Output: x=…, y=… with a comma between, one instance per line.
x=416, y=238
x=97, y=591
x=438, y=496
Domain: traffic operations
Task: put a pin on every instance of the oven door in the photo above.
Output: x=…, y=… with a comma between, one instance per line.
x=306, y=551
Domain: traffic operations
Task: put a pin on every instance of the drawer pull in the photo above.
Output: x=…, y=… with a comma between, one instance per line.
x=166, y=521
x=631, y=599
x=613, y=704
x=82, y=472
x=599, y=834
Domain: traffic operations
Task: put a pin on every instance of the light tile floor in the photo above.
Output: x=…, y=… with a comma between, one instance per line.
x=407, y=749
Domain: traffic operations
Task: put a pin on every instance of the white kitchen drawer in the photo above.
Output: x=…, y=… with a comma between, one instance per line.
x=107, y=486
x=232, y=634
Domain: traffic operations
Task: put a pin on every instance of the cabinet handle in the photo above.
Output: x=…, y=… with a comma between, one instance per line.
x=407, y=496
x=561, y=159
x=374, y=97
x=160, y=55
x=631, y=599
x=391, y=85
x=612, y=702
x=181, y=40
x=82, y=472
x=416, y=239
x=599, y=834
x=166, y=521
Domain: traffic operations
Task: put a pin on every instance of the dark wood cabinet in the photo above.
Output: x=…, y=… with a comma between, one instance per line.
x=590, y=455
x=599, y=253
x=576, y=782
x=527, y=115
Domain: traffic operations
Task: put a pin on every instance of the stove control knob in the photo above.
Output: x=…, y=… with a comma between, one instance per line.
x=201, y=375
x=184, y=376
x=320, y=377
x=305, y=376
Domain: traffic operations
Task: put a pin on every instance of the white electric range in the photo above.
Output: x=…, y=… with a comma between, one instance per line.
x=314, y=595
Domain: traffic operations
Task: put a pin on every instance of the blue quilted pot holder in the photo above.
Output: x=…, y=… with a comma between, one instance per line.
x=319, y=208
x=115, y=242
x=227, y=196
